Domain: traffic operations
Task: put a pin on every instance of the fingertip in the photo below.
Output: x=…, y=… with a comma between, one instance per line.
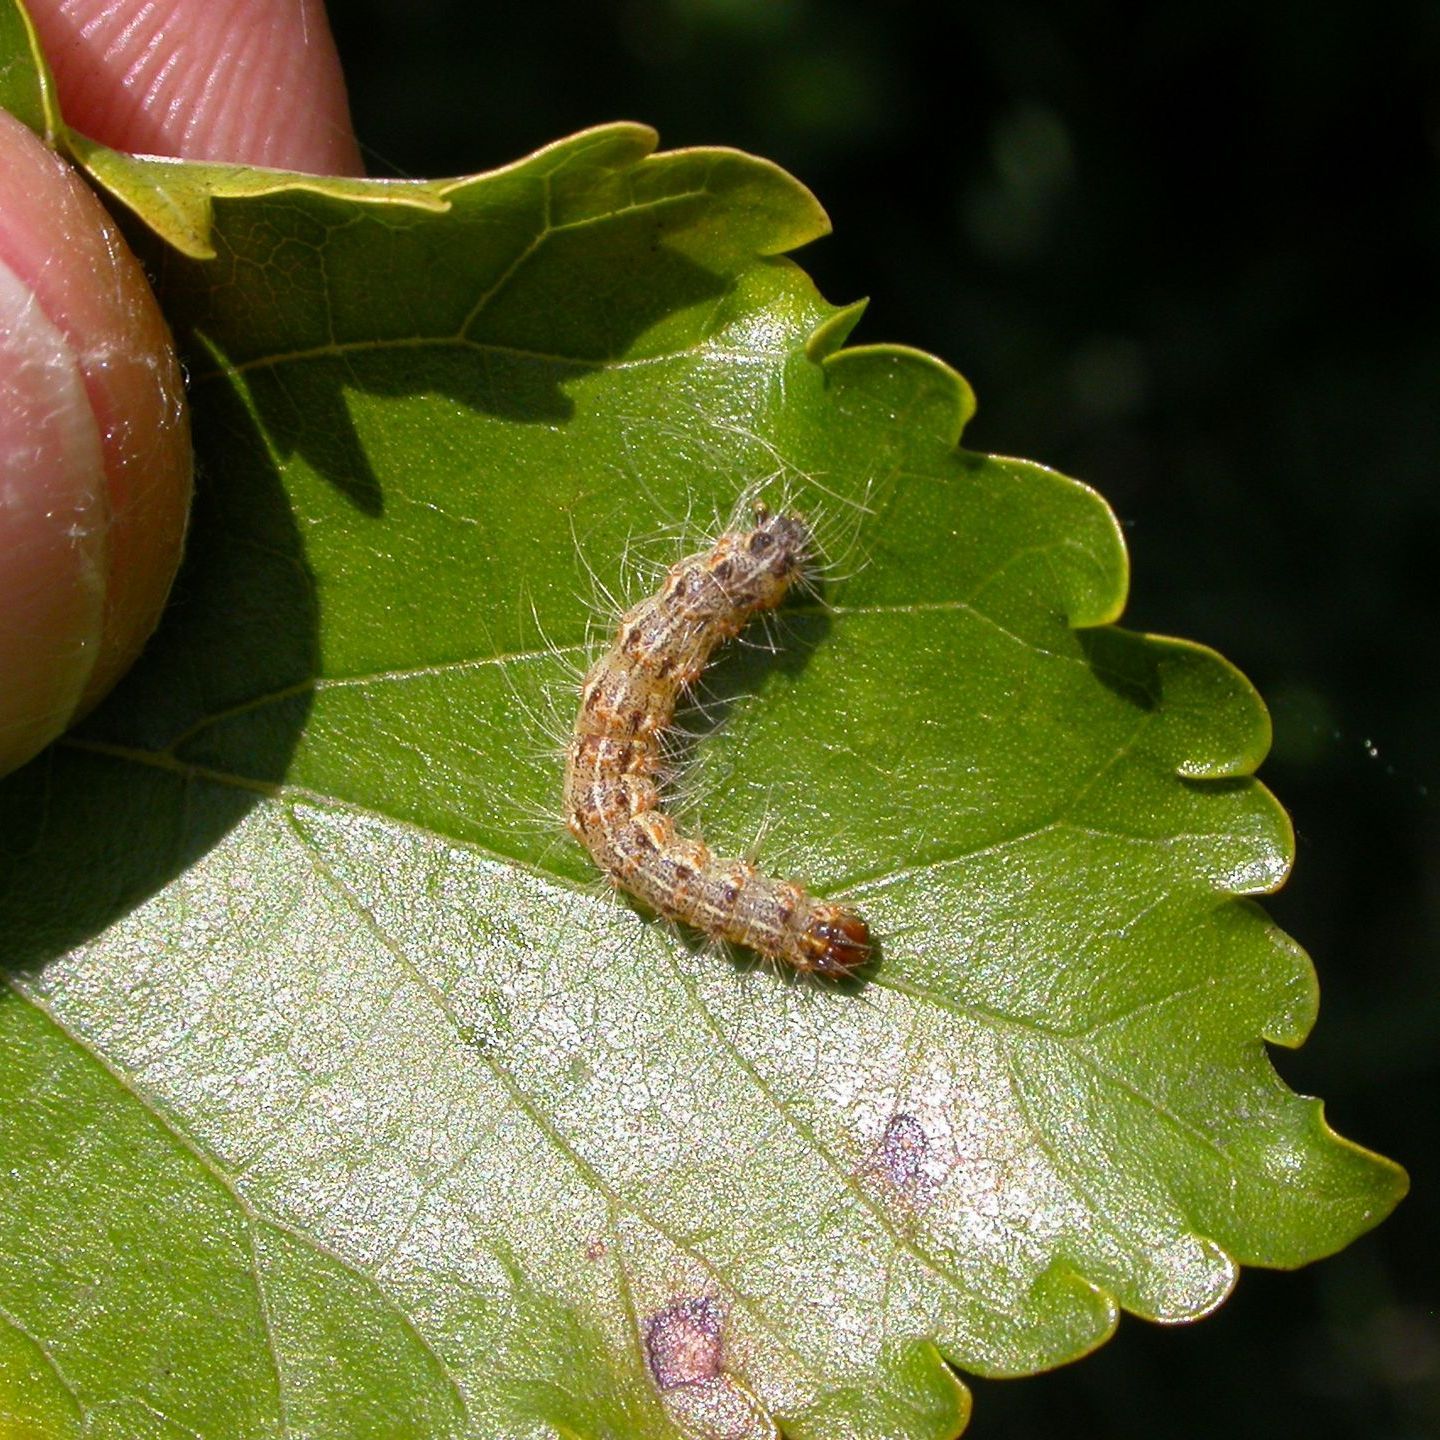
x=52, y=527
x=252, y=82
x=95, y=463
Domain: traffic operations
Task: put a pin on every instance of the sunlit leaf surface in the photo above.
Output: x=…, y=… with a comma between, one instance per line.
x=339, y=1097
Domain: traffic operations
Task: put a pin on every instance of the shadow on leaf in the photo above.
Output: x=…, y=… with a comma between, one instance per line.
x=515, y=320
x=201, y=728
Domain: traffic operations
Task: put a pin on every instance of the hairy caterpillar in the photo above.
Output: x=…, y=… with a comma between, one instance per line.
x=612, y=792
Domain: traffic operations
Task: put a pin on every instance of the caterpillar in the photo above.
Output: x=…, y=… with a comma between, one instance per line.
x=613, y=766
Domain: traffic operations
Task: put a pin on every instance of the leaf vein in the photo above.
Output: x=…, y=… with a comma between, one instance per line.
x=252, y=1215
x=9, y=1317
x=899, y=1241
x=529, y=1108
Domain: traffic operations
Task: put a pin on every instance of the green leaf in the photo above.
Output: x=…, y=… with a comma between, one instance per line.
x=175, y=199
x=336, y=1094
x=27, y=89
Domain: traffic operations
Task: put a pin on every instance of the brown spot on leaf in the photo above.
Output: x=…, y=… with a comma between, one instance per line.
x=907, y=1167
x=595, y=1248
x=903, y=1151
x=682, y=1341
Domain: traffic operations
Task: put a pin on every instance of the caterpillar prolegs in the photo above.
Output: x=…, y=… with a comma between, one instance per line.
x=612, y=787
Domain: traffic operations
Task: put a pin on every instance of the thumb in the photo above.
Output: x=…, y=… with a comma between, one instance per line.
x=94, y=449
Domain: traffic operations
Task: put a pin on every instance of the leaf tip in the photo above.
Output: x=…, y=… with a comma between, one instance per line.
x=1345, y=1190
x=1203, y=679
x=915, y=385
x=831, y=333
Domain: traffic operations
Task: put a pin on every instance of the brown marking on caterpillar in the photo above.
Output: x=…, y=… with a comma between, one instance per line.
x=612, y=796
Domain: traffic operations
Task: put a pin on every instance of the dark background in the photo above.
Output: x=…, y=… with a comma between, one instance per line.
x=1187, y=253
